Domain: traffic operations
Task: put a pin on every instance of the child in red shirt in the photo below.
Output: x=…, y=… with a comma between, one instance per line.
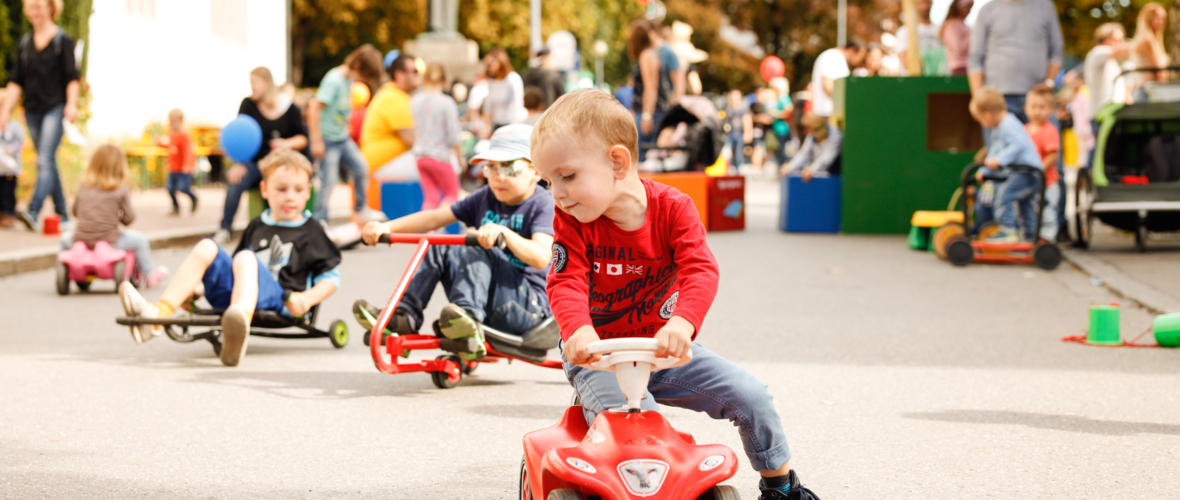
x=630, y=259
x=1038, y=105
x=182, y=160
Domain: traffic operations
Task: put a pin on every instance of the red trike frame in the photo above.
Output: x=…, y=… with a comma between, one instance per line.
x=396, y=346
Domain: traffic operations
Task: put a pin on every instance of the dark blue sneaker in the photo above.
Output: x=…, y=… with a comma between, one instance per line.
x=797, y=491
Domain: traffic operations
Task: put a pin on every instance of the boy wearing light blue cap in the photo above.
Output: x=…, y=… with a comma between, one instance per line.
x=504, y=289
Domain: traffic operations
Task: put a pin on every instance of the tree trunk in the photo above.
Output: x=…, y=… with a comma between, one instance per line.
x=1172, y=40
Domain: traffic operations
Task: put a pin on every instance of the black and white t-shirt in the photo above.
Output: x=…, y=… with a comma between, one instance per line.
x=298, y=254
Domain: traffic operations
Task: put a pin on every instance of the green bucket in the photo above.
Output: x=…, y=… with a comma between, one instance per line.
x=1104, y=325
x=1167, y=330
x=919, y=238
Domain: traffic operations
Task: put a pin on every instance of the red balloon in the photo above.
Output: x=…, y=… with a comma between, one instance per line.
x=772, y=67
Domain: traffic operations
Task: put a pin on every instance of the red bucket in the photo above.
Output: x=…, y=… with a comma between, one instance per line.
x=51, y=226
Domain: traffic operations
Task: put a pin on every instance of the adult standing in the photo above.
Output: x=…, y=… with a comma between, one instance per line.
x=928, y=40
x=956, y=35
x=327, y=125
x=780, y=109
x=504, y=104
x=831, y=65
x=46, y=75
x=1016, y=44
x=653, y=83
x=282, y=128
x=1102, y=69
x=389, y=126
x=437, y=120
x=546, y=78
x=1147, y=51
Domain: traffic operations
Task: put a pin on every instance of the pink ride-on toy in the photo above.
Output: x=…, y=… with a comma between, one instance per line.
x=628, y=452
x=83, y=265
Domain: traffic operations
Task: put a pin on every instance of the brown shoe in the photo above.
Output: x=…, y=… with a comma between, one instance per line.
x=7, y=221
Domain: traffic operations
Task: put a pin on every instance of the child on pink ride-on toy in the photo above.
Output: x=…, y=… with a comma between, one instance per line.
x=285, y=263
x=630, y=260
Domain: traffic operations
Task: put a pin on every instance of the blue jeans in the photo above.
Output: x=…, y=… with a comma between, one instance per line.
x=336, y=153
x=45, y=129
x=481, y=281
x=184, y=184
x=780, y=154
x=129, y=240
x=1015, y=104
x=710, y=384
x=649, y=138
x=233, y=194
x=735, y=143
x=1018, y=193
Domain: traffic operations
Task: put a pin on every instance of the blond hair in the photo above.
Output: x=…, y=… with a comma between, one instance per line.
x=107, y=169
x=271, y=97
x=988, y=100
x=436, y=75
x=1107, y=30
x=590, y=116
x=285, y=158
x=1143, y=23
x=53, y=5
x=176, y=115
x=1041, y=92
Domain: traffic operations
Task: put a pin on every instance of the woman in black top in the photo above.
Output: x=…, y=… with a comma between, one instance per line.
x=47, y=76
x=652, y=83
x=282, y=127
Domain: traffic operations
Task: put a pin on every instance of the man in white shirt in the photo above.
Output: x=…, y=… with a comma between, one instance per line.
x=831, y=65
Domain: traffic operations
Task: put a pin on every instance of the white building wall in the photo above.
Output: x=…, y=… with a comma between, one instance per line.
x=143, y=66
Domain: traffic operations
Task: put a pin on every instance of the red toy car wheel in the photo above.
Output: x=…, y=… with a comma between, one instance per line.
x=526, y=490
x=564, y=494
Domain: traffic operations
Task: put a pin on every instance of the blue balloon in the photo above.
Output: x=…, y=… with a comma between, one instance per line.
x=241, y=139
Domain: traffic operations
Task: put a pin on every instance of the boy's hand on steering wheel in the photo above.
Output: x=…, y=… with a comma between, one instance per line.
x=297, y=304
x=675, y=338
x=576, y=348
x=488, y=233
x=372, y=231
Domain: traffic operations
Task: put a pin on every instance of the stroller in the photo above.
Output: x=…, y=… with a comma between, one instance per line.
x=1134, y=183
x=689, y=139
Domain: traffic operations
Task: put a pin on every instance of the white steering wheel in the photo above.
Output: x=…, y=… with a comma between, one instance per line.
x=632, y=360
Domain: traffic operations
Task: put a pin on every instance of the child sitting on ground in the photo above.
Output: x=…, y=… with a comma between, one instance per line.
x=285, y=263
x=103, y=203
x=504, y=289
x=630, y=259
x=11, y=141
x=182, y=160
x=1038, y=105
x=1010, y=145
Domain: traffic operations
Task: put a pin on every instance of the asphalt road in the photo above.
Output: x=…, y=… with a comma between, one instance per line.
x=897, y=376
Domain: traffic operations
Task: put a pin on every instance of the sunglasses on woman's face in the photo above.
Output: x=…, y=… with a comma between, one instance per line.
x=505, y=168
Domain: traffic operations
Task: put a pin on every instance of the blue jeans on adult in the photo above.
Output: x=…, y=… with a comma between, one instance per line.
x=182, y=183
x=338, y=153
x=1015, y=104
x=45, y=129
x=481, y=281
x=1019, y=193
x=710, y=384
x=656, y=118
x=233, y=194
x=780, y=153
x=129, y=240
x=735, y=143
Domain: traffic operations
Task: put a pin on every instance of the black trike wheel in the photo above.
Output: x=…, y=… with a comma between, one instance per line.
x=564, y=494
x=338, y=334
x=1141, y=237
x=441, y=379
x=1083, y=216
x=526, y=490
x=1047, y=256
x=959, y=251
x=120, y=269
x=63, y=279
x=721, y=492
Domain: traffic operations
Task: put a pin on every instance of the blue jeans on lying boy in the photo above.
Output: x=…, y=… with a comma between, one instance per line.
x=710, y=384
x=219, y=285
x=1020, y=192
x=481, y=281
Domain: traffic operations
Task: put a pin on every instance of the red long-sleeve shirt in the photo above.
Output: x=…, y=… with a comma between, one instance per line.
x=629, y=283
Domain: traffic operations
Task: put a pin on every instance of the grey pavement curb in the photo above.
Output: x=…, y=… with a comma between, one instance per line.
x=36, y=259
x=1123, y=285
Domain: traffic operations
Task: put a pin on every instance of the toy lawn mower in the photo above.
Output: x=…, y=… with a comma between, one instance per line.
x=628, y=452
x=446, y=370
x=961, y=244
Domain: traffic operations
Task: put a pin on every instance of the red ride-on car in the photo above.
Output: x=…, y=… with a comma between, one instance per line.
x=628, y=452
x=446, y=370
x=961, y=244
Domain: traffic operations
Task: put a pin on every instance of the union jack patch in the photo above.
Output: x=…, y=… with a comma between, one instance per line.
x=634, y=269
